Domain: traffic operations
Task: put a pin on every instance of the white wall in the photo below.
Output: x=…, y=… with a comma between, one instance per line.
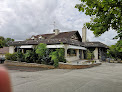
x=11, y=49
x=73, y=58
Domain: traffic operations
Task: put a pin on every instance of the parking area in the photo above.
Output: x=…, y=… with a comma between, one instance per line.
x=104, y=78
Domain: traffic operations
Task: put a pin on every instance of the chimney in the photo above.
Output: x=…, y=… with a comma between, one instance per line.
x=84, y=34
x=56, y=31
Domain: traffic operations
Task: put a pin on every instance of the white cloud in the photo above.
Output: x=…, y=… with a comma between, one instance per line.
x=19, y=19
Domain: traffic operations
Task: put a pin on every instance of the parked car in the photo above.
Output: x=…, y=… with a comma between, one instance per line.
x=2, y=59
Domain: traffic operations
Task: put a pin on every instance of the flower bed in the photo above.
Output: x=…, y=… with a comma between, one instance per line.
x=61, y=65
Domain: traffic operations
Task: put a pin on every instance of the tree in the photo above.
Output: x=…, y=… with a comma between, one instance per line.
x=54, y=58
x=30, y=56
x=105, y=14
x=57, y=56
x=2, y=41
x=5, y=41
x=115, y=51
x=90, y=54
x=41, y=49
x=8, y=40
x=43, y=53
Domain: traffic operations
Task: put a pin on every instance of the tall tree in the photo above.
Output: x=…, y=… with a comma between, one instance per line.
x=2, y=41
x=8, y=40
x=5, y=41
x=105, y=14
x=115, y=51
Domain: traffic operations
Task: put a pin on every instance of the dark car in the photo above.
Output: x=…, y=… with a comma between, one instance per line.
x=2, y=59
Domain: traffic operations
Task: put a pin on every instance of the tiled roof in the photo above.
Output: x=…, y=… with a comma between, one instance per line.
x=93, y=44
x=60, y=35
x=47, y=41
x=4, y=50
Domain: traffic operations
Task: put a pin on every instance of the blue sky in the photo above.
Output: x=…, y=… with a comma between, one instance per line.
x=20, y=19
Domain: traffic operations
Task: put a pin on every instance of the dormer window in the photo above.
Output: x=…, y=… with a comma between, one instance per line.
x=32, y=38
x=40, y=37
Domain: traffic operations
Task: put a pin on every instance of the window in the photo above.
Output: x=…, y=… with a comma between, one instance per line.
x=71, y=52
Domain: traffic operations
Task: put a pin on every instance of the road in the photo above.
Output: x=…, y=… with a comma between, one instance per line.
x=104, y=78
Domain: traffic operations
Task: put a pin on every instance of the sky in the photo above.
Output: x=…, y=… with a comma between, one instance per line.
x=20, y=19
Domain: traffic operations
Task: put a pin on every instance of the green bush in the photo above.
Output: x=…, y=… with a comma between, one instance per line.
x=12, y=57
x=43, y=54
x=57, y=56
x=46, y=58
x=41, y=49
x=92, y=62
x=20, y=56
x=61, y=55
x=54, y=58
x=90, y=54
x=30, y=56
x=8, y=56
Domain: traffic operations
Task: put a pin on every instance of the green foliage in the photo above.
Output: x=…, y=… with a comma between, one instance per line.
x=5, y=41
x=8, y=56
x=46, y=58
x=2, y=42
x=90, y=55
x=8, y=40
x=54, y=57
x=12, y=57
x=92, y=62
x=41, y=49
x=61, y=55
x=43, y=53
x=57, y=56
x=115, y=51
x=30, y=56
x=105, y=14
x=20, y=56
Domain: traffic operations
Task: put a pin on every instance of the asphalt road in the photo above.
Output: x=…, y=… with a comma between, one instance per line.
x=104, y=78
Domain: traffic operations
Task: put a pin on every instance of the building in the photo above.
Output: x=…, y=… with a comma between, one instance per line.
x=75, y=46
x=3, y=51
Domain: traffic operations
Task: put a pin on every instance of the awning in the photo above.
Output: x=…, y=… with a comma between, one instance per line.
x=26, y=46
x=55, y=46
x=68, y=47
x=76, y=47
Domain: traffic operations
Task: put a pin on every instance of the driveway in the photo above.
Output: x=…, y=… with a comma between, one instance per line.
x=104, y=78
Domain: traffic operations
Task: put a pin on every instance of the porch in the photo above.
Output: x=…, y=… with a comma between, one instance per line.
x=72, y=53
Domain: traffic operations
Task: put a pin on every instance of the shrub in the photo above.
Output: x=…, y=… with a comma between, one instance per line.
x=46, y=58
x=41, y=49
x=8, y=56
x=92, y=62
x=43, y=54
x=57, y=56
x=90, y=55
x=20, y=56
x=30, y=56
x=54, y=57
x=61, y=55
x=12, y=57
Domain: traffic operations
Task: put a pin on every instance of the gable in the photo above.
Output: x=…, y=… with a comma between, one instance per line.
x=76, y=37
